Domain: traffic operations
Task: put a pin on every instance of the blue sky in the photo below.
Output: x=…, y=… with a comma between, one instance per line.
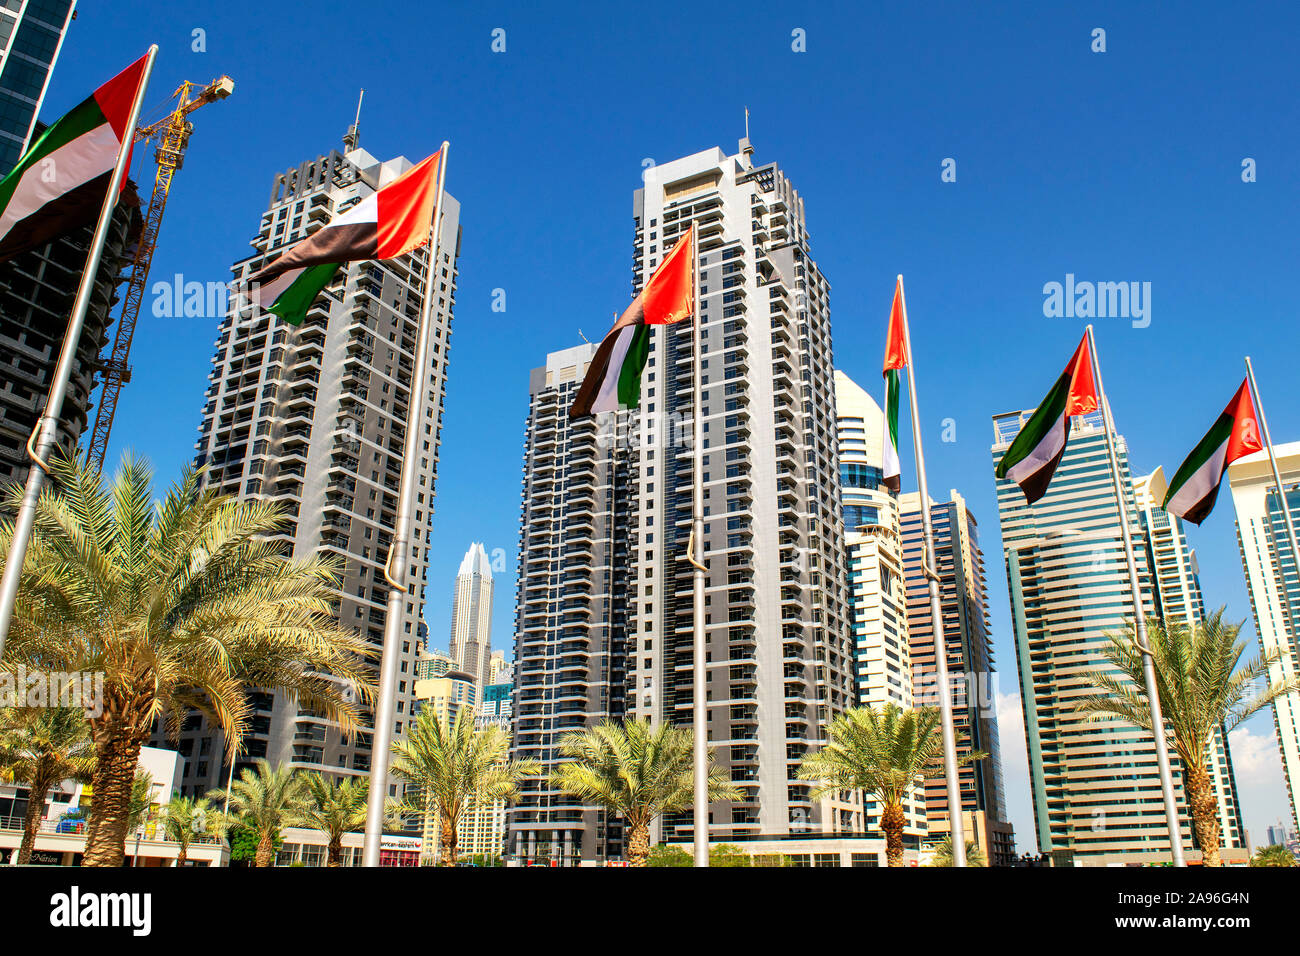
x=1116, y=166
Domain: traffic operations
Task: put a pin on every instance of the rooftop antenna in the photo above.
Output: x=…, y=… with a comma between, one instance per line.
x=353, y=136
x=583, y=337
x=747, y=148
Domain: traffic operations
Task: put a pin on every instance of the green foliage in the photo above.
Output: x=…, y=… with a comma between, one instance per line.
x=1275, y=855
x=242, y=841
x=943, y=854
x=728, y=854
x=661, y=854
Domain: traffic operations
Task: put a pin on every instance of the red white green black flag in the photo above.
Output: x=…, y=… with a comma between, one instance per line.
x=388, y=223
x=1032, y=458
x=1195, y=485
x=895, y=359
x=613, y=378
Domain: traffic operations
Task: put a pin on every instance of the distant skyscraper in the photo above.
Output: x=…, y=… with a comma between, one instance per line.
x=313, y=418
x=471, y=615
x=1095, y=786
x=570, y=610
x=1273, y=581
x=959, y=562
x=777, y=603
x=31, y=35
x=877, y=583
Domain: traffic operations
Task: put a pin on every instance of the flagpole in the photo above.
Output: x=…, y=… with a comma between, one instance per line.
x=1139, y=617
x=700, y=707
x=397, y=565
x=1272, y=460
x=936, y=612
x=45, y=434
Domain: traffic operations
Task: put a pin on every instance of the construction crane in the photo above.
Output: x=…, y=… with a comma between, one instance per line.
x=173, y=135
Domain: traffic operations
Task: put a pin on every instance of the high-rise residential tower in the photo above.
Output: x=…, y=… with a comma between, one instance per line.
x=959, y=562
x=780, y=651
x=1095, y=785
x=1273, y=579
x=571, y=608
x=314, y=418
x=877, y=582
x=471, y=615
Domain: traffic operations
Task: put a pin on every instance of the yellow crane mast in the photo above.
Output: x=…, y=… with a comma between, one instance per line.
x=173, y=135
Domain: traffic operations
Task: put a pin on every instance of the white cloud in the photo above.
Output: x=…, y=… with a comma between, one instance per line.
x=1015, y=771
x=1257, y=765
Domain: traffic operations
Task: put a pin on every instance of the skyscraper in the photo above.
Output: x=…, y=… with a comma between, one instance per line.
x=31, y=36
x=471, y=615
x=571, y=607
x=780, y=653
x=314, y=418
x=959, y=562
x=877, y=586
x=1095, y=786
x=1273, y=580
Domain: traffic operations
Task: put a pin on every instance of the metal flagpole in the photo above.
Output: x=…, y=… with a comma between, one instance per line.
x=1272, y=460
x=695, y=545
x=398, y=565
x=1139, y=616
x=936, y=612
x=43, y=437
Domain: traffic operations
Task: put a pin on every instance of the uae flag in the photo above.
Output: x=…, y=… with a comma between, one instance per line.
x=1032, y=458
x=895, y=359
x=1195, y=485
x=60, y=182
x=613, y=379
x=386, y=224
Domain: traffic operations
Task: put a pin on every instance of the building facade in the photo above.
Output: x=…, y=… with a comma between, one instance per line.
x=471, y=615
x=1095, y=786
x=313, y=418
x=571, y=608
x=776, y=597
x=959, y=562
x=1273, y=581
x=31, y=36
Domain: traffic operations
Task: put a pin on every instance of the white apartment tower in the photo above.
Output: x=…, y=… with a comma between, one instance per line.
x=314, y=418
x=471, y=615
x=571, y=607
x=780, y=653
x=1273, y=579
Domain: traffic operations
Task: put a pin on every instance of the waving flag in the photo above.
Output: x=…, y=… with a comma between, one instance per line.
x=386, y=224
x=1195, y=485
x=613, y=379
x=60, y=182
x=1032, y=458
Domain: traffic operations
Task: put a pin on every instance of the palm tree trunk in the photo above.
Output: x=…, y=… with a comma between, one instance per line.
x=32, y=822
x=183, y=855
x=448, y=841
x=117, y=753
x=1205, y=812
x=892, y=821
x=265, y=850
x=638, y=844
x=335, y=854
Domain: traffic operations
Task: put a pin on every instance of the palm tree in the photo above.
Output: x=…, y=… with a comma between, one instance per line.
x=186, y=818
x=42, y=747
x=1275, y=855
x=265, y=800
x=1203, y=687
x=943, y=854
x=141, y=800
x=335, y=808
x=183, y=603
x=450, y=766
x=884, y=752
x=638, y=771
